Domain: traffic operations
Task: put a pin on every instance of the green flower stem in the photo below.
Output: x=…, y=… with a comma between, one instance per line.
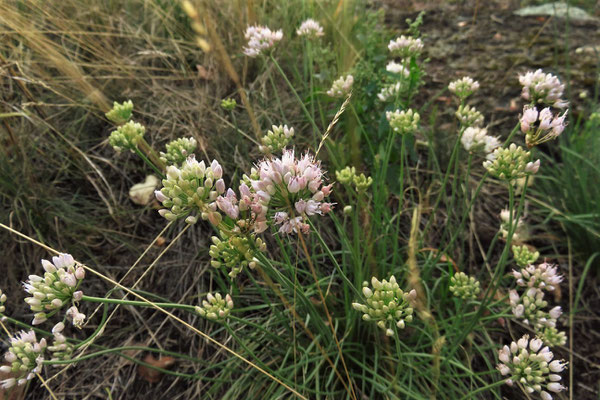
x=149, y=163
x=138, y=303
x=304, y=109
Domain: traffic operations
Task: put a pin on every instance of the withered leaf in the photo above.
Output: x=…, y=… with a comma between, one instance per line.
x=152, y=375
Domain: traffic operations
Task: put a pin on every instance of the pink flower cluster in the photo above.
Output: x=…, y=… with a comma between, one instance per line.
x=542, y=276
x=542, y=126
x=539, y=87
x=250, y=211
x=293, y=189
x=260, y=39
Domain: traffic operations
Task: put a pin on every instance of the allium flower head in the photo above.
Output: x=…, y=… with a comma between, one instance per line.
x=521, y=232
x=469, y=116
x=476, y=139
x=276, y=139
x=541, y=88
x=310, y=28
x=530, y=363
x=215, y=307
x=120, y=113
x=463, y=87
x=540, y=127
x=235, y=251
x=464, y=286
x=2, y=301
x=399, y=69
x=260, y=39
x=60, y=348
x=76, y=317
x=529, y=307
x=127, y=136
x=403, y=121
x=341, y=87
x=543, y=276
x=387, y=304
x=510, y=163
x=294, y=190
x=25, y=356
x=523, y=256
x=178, y=151
x=58, y=287
x=405, y=47
x=349, y=176
x=391, y=91
x=190, y=190
x=552, y=336
x=228, y=104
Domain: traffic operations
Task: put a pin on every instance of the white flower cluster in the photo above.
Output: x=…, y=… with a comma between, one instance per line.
x=463, y=87
x=397, y=68
x=469, y=116
x=25, y=356
x=178, y=151
x=531, y=364
x=405, y=46
x=529, y=307
x=276, y=139
x=510, y=163
x=539, y=87
x=476, y=139
x=192, y=189
x=387, y=304
x=60, y=348
x=341, y=87
x=542, y=276
x=521, y=231
x=539, y=127
x=391, y=91
x=403, y=121
x=56, y=288
x=293, y=189
x=260, y=39
x=215, y=308
x=310, y=28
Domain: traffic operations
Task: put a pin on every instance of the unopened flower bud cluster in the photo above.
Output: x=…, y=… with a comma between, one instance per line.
x=523, y=256
x=469, y=116
x=192, y=190
x=532, y=365
x=511, y=163
x=403, y=121
x=276, y=139
x=127, y=136
x=25, y=356
x=178, y=151
x=463, y=87
x=464, y=286
x=387, y=304
x=215, y=307
x=341, y=87
x=228, y=104
x=58, y=287
x=120, y=113
x=349, y=176
x=235, y=252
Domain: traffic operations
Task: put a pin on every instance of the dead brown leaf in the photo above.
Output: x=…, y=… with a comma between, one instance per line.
x=152, y=375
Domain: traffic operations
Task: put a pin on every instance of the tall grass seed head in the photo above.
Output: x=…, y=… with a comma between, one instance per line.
x=510, y=163
x=464, y=286
x=192, y=190
x=127, y=136
x=341, y=87
x=25, y=356
x=260, y=40
x=543, y=276
x=215, y=307
x=463, y=87
x=228, y=104
x=531, y=364
x=476, y=139
x=405, y=47
x=387, y=304
x=403, y=121
x=120, y=113
x=523, y=256
x=57, y=288
x=178, y=151
x=276, y=139
x=540, y=127
x=469, y=116
x=235, y=252
x=542, y=88
x=310, y=28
